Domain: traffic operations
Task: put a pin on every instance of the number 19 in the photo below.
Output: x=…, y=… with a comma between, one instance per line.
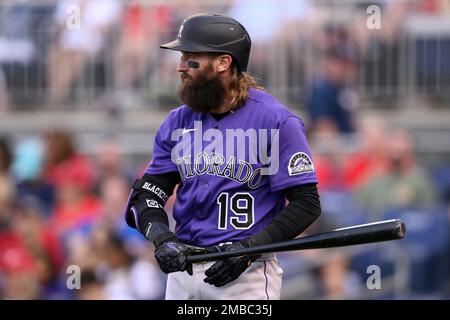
x=244, y=211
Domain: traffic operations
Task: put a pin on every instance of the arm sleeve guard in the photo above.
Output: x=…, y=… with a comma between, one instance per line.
x=145, y=207
x=303, y=209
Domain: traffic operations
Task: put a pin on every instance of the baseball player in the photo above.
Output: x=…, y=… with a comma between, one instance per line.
x=236, y=154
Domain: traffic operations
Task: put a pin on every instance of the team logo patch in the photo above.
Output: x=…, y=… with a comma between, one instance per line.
x=152, y=203
x=300, y=163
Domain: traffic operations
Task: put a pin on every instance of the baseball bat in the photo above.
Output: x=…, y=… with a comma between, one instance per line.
x=359, y=234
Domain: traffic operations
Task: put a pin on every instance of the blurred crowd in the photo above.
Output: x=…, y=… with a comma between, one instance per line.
x=60, y=207
x=54, y=53
x=377, y=175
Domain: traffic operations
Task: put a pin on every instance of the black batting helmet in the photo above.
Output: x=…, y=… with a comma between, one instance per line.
x=213, y=33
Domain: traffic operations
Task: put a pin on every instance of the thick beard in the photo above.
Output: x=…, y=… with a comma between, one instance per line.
x=202, y=95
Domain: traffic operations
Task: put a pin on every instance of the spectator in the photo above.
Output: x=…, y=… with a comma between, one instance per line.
x=17, y=271
x=6, y=183
x=30, y=228
x=5, y=157
x=371, y=158
x=17, y=49
x=337, y=280
x=74, y=47
x=23, y=50
x=109, y=161
x=114, y=191
x=71, y=174
x=330, y=101
x=129, y=278
x=28, y=170
x=404, y=185
x=142, y=27
x=267, y=24
x=92, y=286
x=4, y=100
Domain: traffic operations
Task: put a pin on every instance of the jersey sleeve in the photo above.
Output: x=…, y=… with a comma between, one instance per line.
x=162, y=150
x=296, y=165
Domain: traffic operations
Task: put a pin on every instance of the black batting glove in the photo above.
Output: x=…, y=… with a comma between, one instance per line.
x=228, y=270
x=172, y=256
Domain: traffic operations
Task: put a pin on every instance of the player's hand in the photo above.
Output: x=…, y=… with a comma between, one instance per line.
x=172, y=256
x=225, y=271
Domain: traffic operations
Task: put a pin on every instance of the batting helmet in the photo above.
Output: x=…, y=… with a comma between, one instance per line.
x=213, y=33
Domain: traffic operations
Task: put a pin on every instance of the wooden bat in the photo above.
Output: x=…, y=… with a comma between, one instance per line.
x=360, y=234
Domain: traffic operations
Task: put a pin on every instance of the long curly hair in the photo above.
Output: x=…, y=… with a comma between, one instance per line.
x=241, y=82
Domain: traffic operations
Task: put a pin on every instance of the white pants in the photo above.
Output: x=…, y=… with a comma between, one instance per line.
x=261, y=281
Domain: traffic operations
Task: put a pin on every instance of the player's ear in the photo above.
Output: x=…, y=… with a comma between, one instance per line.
x=224, y=62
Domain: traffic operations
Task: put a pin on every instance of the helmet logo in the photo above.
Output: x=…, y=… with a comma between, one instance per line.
x=181, y=30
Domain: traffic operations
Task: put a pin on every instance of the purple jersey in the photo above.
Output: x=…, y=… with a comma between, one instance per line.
x=234, y=169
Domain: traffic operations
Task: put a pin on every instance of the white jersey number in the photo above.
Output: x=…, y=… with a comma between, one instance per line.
x=241, y=205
